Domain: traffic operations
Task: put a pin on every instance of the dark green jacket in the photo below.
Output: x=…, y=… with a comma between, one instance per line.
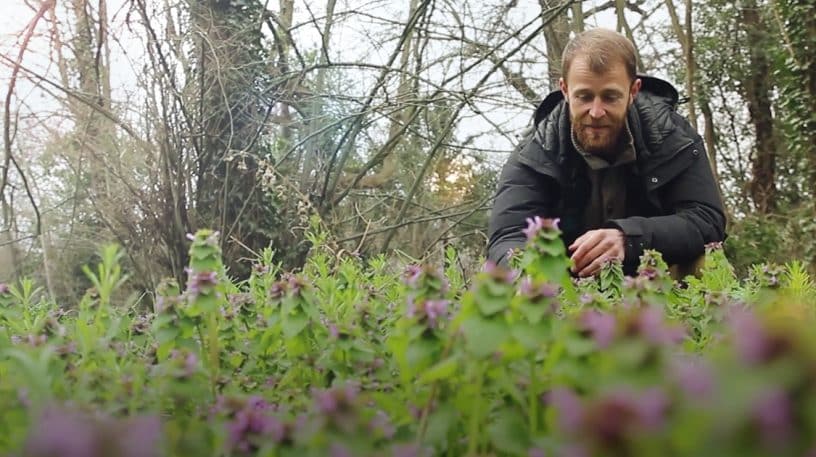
x=673, y=203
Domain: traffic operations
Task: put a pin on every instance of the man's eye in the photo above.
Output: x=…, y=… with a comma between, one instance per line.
x=610, y=98
x=585, y=97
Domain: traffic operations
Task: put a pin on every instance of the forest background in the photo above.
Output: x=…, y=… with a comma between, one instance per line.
x=385, y=123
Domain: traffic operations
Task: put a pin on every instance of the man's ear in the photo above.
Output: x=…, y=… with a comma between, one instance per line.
x=634, y=89
x=563, y=85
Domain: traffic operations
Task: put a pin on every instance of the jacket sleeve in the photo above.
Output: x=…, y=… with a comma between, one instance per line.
x=694, y=216
x=522, y=193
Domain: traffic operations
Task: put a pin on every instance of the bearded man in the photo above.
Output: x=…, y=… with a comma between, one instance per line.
x=611, y=158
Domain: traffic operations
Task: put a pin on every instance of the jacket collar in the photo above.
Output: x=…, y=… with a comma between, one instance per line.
x=651, y=118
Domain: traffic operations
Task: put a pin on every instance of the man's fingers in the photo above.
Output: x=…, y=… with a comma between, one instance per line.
x=599, y=249
x=594, y=267
x=582, y=246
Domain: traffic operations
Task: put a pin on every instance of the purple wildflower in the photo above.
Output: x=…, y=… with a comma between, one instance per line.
x=752, y=340
x=278, y=289
x=693, y=376
x=325, y=401
x=381, y=425
x=140, y=436
x=600, y=325
x=500, y=273
x=4, y=289
x=573, y=450
x=253, y=419
x=434, y=309
x=201, y=281
x=336, y=400
x=333, y=332
x=295, y=283
x=648, y=273
x=412, y=275
x=64, y=433
x=569, y=407
x=653, y=327
x=772, y=413
x=651, y=406
x=405, y=450
x=339, y=450
x=536, y=291
x=536, y=452
x=611, y=418
x=537, y=224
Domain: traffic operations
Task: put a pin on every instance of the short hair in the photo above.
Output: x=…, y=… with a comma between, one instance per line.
x=602, y=47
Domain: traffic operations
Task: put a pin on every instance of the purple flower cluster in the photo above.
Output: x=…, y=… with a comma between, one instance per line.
x=4, y=289
x=288, y=284
x=31, y=340
x=646, y=322
x=418, y=276
x=428, y=312
x=611, y=419
x=201, y=281
x=60, y=432
x=754, y=341
x=536, y=291
x=253, y=421
x=773, y=415
x=499, y=273
x=649, y=323
x=537, y=224
x=337, y=405
x=694, y=377
x=185, y=363
x=599, y=325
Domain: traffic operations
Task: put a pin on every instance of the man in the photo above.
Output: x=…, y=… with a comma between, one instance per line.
x=612, y=159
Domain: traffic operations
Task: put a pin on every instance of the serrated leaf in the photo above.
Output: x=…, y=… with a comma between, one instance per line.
x=530, y=336
x=293, y=324
x=490, y=305
x=484, y=336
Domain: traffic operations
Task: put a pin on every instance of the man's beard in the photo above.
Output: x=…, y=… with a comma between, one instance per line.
x=604, y=142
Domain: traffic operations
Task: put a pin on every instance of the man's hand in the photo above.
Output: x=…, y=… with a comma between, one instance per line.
x=593, y=248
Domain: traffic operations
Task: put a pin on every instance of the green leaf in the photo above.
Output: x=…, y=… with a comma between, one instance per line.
x=508, y=433
x=490, y=304
x=293, y=324
x=530, y=336
x=440, y=422
x=442, y=370
x=484, y=336
x=535, y=312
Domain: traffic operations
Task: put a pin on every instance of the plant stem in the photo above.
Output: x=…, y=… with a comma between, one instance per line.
x=475, y=417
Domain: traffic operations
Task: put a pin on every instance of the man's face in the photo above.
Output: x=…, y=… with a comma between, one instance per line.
x=598, y=105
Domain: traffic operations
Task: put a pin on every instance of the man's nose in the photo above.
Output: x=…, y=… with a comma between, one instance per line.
x=597, y=109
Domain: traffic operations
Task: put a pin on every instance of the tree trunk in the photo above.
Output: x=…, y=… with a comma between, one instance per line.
x=757, y=92
x=557, y=35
